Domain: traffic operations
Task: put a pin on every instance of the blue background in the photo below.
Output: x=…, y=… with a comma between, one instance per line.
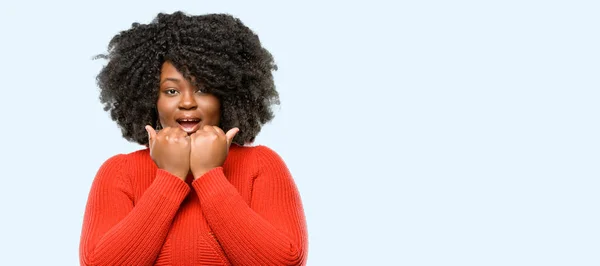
x=418, y=132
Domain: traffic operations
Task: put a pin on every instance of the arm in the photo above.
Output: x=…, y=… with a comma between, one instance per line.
x=115, y=232
x=272, y=230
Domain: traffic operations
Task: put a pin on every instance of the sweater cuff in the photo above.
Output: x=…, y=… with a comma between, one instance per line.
x=170, y=186
x=213, y=185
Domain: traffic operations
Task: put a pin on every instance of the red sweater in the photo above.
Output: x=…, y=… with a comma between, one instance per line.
x=247, y=212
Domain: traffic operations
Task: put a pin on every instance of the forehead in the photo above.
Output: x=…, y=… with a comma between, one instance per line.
x=169, y=70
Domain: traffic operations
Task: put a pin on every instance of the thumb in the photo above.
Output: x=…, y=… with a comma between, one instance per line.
x=151, y=134
x=231, y=134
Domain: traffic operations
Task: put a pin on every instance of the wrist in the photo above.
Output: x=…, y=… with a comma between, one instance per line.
x=200, y=172
x=177, y=173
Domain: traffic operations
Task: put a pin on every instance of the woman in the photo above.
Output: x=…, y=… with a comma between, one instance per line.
x=194, y=90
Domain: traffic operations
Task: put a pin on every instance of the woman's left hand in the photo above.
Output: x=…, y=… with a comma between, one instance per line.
x=209, y=148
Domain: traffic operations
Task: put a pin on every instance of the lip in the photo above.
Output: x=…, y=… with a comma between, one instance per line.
x=192, y=129
x=189, y=130
x=188, y=116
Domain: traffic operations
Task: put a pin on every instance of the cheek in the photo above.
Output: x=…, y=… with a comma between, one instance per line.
x=212, y=108
x=164, y=106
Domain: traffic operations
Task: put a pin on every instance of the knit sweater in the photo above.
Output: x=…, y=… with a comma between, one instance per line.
x=247, y=212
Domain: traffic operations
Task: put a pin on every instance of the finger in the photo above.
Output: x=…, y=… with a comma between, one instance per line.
x=182, y=134
x=208, y=128
x=151, y=132
x=177, y=131
x=175, y=134
x=151, y=135
x=163, y=131
x=219, y=131
x=163, y=134
x=231, y=134
x=196, y=134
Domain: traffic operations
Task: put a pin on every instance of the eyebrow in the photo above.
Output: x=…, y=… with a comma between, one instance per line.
x=170, y=79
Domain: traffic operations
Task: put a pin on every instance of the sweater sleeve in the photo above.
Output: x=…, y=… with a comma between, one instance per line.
x=117, y=232
x=269, y=231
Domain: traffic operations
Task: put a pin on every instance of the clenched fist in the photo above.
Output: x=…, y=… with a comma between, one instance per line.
x=170, y=150
x=209, y=148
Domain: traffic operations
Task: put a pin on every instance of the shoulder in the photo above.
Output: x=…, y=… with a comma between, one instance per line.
x=113, y=163
x=258, y=152
x=265, y=153
x=138, y=156
x=266, y=159
x=122, y=161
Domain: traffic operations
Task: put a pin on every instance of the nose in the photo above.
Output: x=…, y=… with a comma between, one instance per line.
x=187, y=101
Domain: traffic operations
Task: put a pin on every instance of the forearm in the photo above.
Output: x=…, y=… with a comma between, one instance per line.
x=138, y=237
x=246, y=236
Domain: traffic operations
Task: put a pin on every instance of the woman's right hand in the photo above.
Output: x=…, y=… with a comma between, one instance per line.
x=170, y=150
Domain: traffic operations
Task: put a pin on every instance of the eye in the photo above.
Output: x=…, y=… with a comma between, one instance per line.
x=171, y=92
x=201, y=91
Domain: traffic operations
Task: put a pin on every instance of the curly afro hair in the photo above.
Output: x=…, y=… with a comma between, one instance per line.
x=217, y=50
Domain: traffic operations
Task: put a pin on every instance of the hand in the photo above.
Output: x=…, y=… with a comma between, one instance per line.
x=170, y=150
x=209, y=148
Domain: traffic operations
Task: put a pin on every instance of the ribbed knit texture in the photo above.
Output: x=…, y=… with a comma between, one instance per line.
x=247, y=212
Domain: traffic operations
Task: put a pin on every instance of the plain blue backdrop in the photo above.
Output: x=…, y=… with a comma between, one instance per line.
x=418, y=132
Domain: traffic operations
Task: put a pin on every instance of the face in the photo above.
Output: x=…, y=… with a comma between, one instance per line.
x=180, y=104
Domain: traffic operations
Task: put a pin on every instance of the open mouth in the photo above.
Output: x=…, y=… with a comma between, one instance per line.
x=189, y=125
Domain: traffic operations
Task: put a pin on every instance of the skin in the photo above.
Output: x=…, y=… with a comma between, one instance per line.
x=180, y=152
x=177, y=96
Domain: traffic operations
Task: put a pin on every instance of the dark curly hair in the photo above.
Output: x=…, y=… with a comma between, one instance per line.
x=217, y=50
